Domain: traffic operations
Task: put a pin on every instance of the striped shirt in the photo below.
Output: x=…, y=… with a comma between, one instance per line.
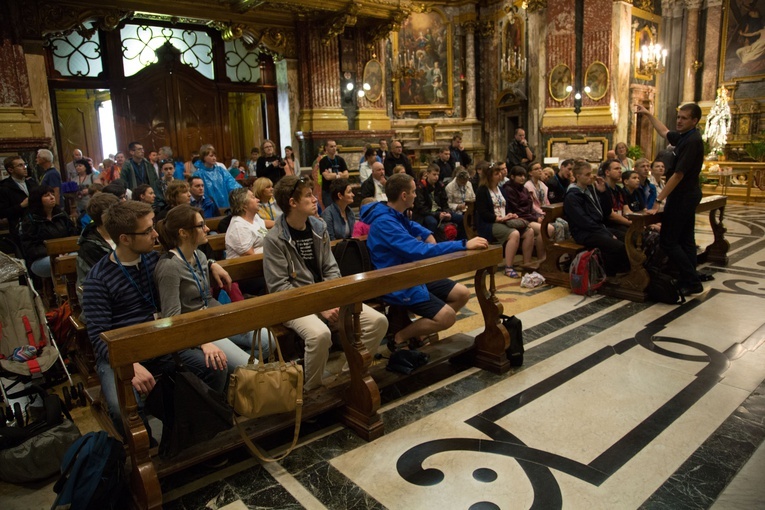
x=111, y=301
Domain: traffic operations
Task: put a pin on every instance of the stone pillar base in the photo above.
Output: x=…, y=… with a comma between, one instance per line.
x=329, y=119
x=589, y=116
x=18, y=122
x=372, y=120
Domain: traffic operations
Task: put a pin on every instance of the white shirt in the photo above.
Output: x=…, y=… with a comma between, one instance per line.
x=365, y=170
x=243, y=235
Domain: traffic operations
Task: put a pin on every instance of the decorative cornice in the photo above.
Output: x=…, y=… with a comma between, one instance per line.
x=536, y=5
x=269, y=40
x=47, y=18
x=383, y=30
x=692, y=5
x=337, y=25
x=469, y=26
x=486, y=29
x=646, y=5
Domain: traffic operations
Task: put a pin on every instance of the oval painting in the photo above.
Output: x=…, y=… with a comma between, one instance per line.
x=596, y=78
x=560, y=78
x=373, y=75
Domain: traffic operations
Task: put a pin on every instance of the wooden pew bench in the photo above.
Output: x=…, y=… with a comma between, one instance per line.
x=553, y=268
x=55, y=249
x=356, y=395
x=634, y=284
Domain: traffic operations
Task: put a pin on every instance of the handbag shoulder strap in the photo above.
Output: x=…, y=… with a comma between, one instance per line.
x=298, y=417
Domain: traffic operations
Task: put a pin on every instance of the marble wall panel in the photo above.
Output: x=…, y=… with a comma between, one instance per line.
x=14, y=81
x=560, y=43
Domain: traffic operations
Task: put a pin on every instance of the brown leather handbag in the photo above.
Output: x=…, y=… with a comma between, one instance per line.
x=263, y=389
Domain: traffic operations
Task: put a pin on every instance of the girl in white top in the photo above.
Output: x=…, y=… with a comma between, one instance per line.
x=537, y=188
x=247, y=230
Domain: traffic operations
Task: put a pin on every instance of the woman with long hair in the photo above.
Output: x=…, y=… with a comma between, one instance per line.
x=182, y=279
x=520, y=202
x=85, y=179
x=495, y=223
x=291, y=164
x=263, y=189
x=339, y=216
x=45, y=220
x=144, y=193
x=537, y=188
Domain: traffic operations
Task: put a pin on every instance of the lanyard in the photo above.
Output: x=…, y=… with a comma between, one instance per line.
x=149, y=300
x=202, y=292
x=270, y=211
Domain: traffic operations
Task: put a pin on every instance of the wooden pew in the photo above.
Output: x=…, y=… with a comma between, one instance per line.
x=358, y=396
x=634, y=284
x=212, y=223
x=56, y=248
x=552, y=268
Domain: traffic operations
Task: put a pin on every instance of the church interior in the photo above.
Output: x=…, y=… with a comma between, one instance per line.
x=618, y=404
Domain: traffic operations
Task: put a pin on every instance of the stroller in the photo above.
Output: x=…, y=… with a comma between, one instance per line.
x=27, y=348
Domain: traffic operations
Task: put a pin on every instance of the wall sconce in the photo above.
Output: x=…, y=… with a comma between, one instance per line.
x=578, y=97
x=651, y=60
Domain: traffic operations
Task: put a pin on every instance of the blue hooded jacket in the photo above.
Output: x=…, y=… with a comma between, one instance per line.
x=218, y=183
x=393, y=240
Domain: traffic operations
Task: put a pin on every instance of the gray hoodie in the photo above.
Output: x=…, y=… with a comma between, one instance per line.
x=283, y=266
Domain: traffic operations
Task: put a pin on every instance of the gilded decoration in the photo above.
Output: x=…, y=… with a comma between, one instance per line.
x=646, y=5
x=336, y=25
x=743, y=41
x=422, y=49
x=597, y=79
x=60, y=20
x=536, y=5
x=273, y=40
x=373, y=75
x=643, y=37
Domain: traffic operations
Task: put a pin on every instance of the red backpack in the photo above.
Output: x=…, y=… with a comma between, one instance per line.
x=586, y=273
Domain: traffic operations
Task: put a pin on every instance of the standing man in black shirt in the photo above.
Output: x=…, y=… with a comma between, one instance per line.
x=682, y=193
x=331, y=167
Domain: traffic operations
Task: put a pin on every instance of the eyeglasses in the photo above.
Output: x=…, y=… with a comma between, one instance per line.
x=146, y=232
x=199, y=225
x=20, y=165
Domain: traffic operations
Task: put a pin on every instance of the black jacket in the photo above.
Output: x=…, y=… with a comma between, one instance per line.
x=368, y=188
x=36, y=229
x=391, y=161
x=484, y=213
x=447, y=169
x=11, y=197
x=584, y=214
x=423, y=204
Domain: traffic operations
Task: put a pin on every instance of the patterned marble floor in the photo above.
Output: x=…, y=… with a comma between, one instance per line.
x=618, y=405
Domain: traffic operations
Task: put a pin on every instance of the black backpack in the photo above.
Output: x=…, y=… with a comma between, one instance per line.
x=662, y=288
x=93, y=475
x=514, y=328
x=352, y=256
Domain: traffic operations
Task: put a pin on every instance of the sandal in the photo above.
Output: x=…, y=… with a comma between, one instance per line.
x=510, y=272
x=393, y=346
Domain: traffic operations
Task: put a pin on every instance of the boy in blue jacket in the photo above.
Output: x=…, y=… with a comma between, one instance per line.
x=393, y=239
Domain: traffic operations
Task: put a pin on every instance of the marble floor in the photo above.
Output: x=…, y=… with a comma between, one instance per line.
x=618, y=405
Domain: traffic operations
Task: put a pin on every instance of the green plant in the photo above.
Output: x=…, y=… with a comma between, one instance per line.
x=635, y=152
x=756, y=150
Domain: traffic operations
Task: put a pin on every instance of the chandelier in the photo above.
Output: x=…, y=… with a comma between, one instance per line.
x=404, y=65
x=651, y=60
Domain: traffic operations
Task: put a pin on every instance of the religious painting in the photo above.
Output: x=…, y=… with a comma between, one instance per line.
x=373, y=76
x=560, y=80
x=643, y=37
x=596, y=78
x=743, y=51
x=422, y=63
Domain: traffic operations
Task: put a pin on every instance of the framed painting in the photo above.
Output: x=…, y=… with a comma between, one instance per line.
x=560, y=79
x=422, y=63
x=743, y=41
x=596, y=78
x=373, y=76
x=643, y=37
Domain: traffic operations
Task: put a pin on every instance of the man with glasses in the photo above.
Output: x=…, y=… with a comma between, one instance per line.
x=138, y=170
x=14, y=193
x=296, y=253
x=397, y=157
x=119, y=291
x=52, y=176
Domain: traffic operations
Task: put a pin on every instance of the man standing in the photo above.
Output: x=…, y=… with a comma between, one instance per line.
x=71, y=172
x=518, y=151
x=397, y=157
x=682, y=193
x=393, y=240
x=119, y=160
x=137, y=170
x=445, y=165
x=198, y=198
x=52, y=177
x=458, y=153
x=331, y=167
x=382, y=152
x=14, y=193
x=296, y=253
x=557, y=186
x=153, y=159
x=119, y=291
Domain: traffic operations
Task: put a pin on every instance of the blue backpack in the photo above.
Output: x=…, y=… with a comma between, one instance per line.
x=92, y=475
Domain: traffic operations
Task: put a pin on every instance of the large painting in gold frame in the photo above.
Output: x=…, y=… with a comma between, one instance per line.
x=424, y=44
x=743, y=41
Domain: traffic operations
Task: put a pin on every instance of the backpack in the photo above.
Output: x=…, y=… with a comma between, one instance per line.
x=514, y=328
x=662, y=288
x=352, y=256
x=586, y=273
x=92, y=475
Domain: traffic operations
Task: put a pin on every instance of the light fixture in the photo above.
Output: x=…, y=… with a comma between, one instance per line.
x=513, y=65
x=367, y=87
x=651, y=60
x=403, y=65
x=349, y=86
x=361, y=93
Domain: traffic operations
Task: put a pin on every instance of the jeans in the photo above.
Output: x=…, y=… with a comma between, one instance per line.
x=41, y=267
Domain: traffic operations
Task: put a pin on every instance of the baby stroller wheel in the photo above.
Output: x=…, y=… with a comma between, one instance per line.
x=75, y=394
x=19, y=414
x=67, y=397
x=81, y=393
x=8, y=413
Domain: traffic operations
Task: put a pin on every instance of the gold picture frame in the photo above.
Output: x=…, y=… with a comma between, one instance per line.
x=560, y=78
x=739, y=60
x=643, y=37
x=373, y=75
x=598, y=79
x=424, y=45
